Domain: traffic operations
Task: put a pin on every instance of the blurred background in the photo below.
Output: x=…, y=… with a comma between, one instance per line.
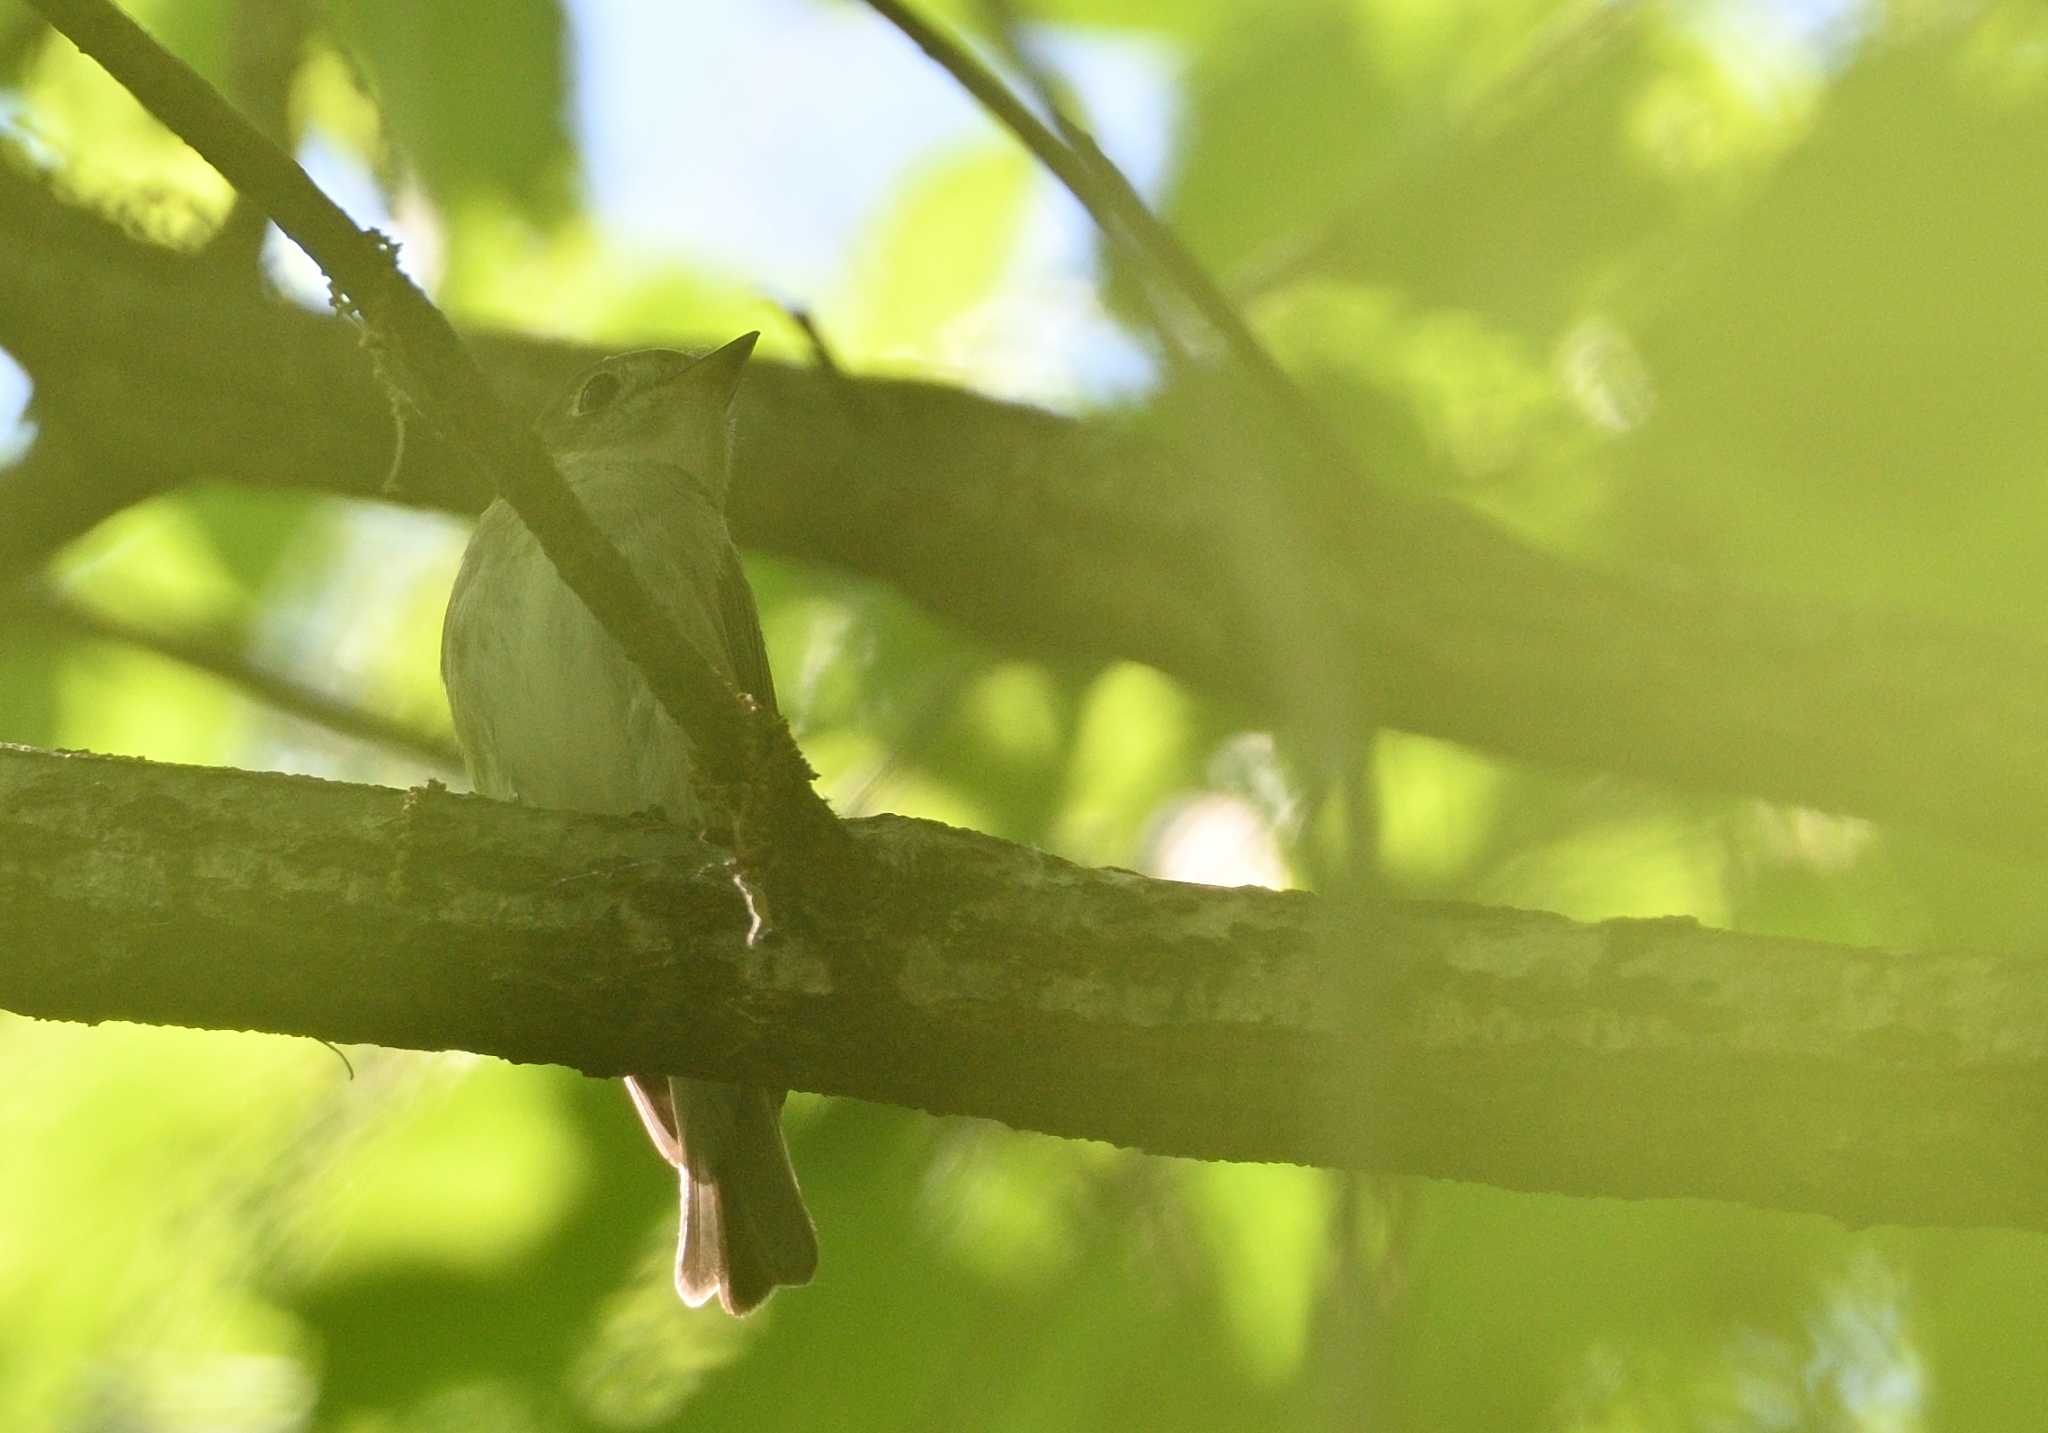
x=1746, y=290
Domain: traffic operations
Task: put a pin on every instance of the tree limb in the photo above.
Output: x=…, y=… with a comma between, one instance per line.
x=1630, y=1059
x=1083, y=540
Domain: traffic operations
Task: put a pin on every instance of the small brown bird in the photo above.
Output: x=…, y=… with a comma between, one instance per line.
x=548, y=710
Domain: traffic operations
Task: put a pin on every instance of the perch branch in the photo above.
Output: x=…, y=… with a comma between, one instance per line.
x=1627, y=1059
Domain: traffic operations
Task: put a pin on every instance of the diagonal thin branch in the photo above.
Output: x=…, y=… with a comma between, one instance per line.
x=427, y=361
x=1118, y=210
x=1284, y=438
x=1057, y=101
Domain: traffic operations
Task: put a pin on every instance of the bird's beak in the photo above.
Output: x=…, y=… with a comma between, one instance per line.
x=721, y=367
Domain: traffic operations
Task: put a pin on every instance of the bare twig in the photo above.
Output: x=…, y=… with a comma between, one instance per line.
x=806, y=323
x=1285, y=437
x=1058, y=101
x=1116, y=207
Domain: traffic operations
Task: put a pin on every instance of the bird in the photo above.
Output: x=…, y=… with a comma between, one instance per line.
x=549, y=711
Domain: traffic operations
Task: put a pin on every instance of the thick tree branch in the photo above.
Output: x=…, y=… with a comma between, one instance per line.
x=1634, y=1058
x=1084, y=540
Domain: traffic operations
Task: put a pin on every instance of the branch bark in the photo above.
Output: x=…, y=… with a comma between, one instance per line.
x=1086, y=539
x=1631, y=1059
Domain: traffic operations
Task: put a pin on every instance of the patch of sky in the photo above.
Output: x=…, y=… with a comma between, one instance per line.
x=16, y=432
x=19, y=128
x=349, y=183
x=765, y=139
x=1766, y=43
x=1127, y=93
x=759, y=138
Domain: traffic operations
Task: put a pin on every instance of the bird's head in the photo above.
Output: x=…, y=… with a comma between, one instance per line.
x=653, y=404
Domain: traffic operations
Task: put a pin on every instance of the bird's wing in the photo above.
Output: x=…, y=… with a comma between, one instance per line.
x=742, y=623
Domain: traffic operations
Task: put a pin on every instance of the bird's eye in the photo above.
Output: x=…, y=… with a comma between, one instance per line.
x=598, y=393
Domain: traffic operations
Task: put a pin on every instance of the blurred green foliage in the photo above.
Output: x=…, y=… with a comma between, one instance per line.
x=1748, y=291
x=446, y=95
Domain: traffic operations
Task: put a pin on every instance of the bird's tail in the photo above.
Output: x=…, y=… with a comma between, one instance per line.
x=744, y=1226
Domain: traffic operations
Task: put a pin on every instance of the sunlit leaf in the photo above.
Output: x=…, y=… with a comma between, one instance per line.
x=473, y=117
x=943, y=248
x=1845, y=393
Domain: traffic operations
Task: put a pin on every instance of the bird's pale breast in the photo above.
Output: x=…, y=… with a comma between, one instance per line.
x=545, y=704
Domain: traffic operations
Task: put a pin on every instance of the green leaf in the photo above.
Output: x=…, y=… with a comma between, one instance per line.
x=1848, y=392
x=1285, y=115
x=941, y=250
x=475, y=97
